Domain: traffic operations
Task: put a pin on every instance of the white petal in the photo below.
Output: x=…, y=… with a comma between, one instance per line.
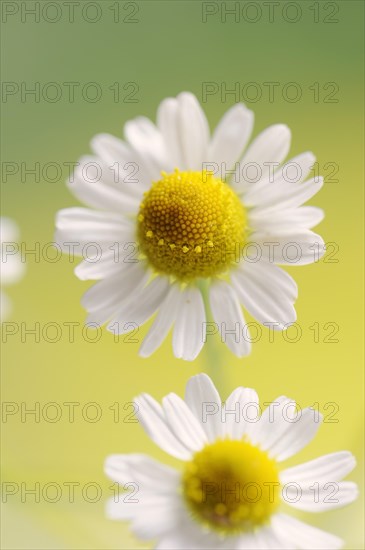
x=139, y=308
x=189, y=330
x=285, y=195
x=147, y=140
x=227, y=314
x=9, y=231
x=301, y=247
x=156, y=518
x=236, y=411
x=105, y=263
x=303, y=536
x=92, y=184
x=331, y=467
x=154, y=494
x=272, y=423
x=289, y=437
x=111, y=289
x=142, y=469
x=304, y=217
x=194, y=131
x=12, y=266
x=230, y=137
x=183, y=423
x=168, y=123
x=293, y=172
x=266, y=293
x=271, y=146
x=126, y=166
x=153, y=420
x=82, y=220
x=163, y=322
x=265, y=538
x=204, y=401
x=326, y=496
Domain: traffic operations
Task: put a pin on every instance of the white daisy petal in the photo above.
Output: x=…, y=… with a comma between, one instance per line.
x=322, y=497
x=89, y=184
x=263, y=539
x=145, y=515
x=163, y=322
x=153, y=420
x=147, y=525
x=188, y=337
x=183, y=423
x=143, y=470
x=84, y=220
x=204, y=401
x=168, y=124
x=9, y=231
x=293, y=172
x=12, y=264
x=331, y=467
x=301, y=247
x=227, y=314
x=271, y=146
x=304, y=217
x=269, y=300
x=126, y=167
x=303, y=536
x=272, y=423
x=280, y=279
x=116, y=300
x=136, y=310
x=147, y=140
x=292, y=436
x=194, y=131
x=107, y=290
x=285, y=195
x=104, y=264
x=230, y=137
x=236, y=411
x=153, y=494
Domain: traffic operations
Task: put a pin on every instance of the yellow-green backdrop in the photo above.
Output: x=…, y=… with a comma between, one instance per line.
x=313, y=49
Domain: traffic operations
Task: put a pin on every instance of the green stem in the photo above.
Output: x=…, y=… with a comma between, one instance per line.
x=212, y=355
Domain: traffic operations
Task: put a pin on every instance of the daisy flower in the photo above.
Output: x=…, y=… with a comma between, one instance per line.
x=230, y=489
x=174, y=214
x=12, y=268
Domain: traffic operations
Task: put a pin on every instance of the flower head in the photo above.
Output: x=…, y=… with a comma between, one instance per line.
x=12, y=268
x=173, y=210
x=231, y=487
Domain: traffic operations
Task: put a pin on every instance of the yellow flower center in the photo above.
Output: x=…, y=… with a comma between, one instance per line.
x=191, y=224
x=231, y=486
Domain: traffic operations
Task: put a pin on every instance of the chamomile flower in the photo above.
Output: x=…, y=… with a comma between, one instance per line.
x=12, y=268
x=230, y=489
x=173, y=210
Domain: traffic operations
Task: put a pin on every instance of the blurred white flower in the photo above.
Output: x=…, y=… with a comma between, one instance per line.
x=231, y=487
x=12, y=268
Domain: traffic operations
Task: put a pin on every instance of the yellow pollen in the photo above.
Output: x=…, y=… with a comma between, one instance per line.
x=231, y=486
x=193, y=225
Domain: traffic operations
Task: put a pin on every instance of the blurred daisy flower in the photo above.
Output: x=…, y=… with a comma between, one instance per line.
x=231, y=487
x=12, y=268
x=203, y=214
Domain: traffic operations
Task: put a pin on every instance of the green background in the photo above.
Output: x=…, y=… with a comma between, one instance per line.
x=169, y=49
